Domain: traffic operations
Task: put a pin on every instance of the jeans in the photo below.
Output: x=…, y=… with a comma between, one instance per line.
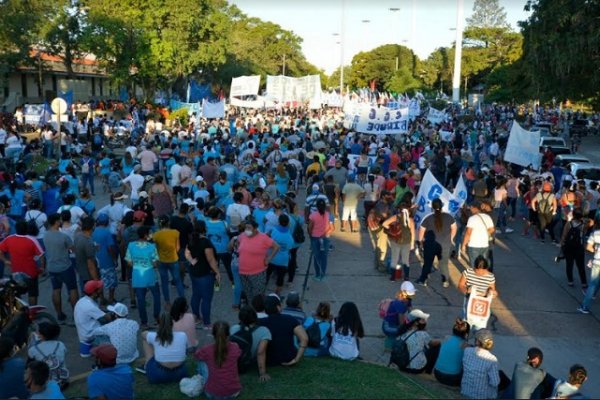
x=225, y=258
x=320, y=255
x=237, y=290
x=512, y=203
x=593, y=286
x=140, y=296
x=164, y=269
x=474, y=252
x=88, y=178
x=203, y=288
x=501, y=221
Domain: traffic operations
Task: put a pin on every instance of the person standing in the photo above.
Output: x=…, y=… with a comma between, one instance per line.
x=106, y=255
x=593, y=246
x=400, y=229
x=572, y=243
x=183, y=225
x=444, y=226
x=142, y=257
x=148, y=160
x=320, y=228
x=85, y=252
x=545, y=205
x=23, y=251
x=167, y=245
x=204, y=273
x=480, y=230
x=351, y=195
x=279, y=264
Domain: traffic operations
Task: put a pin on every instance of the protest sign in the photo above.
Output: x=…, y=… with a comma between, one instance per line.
x=436, y=116
x=213, y=110
x=479, y=309
x=523, y=147
x=285, y=88
x=244, y=86
x=446, y=136
x=35, y=114
x=352, y=161
x=432, y=189
x=365, y=118
x=414, y=109
x=191, y=107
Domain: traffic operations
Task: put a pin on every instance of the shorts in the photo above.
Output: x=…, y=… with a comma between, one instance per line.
x=349, y=213
x=157, y=373
x=66, y=277
x=109, y=278
x=279, y=272
x=533, y=216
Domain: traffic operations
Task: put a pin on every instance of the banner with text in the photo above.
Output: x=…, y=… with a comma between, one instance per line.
x=286, y=88
x=213, y=110
x=436, y=116
x=414, y=109
x=364, y=118
x=352, y=161
x=244, y=86
x=432, y=189
x=523, y=147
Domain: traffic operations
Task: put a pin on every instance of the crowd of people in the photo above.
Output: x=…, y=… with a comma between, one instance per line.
x=232, y=202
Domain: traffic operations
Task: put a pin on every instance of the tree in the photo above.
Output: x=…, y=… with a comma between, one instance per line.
x=379, y=65
x=487, y=14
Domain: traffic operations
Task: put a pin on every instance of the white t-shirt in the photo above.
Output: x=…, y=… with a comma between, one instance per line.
x=76, y=213
x=175, y=169
x=136, y=181
x=343, y=346
x=236, y=214
x=479, y=223
x=86, y=316
x=174, y=352
x=40, y=220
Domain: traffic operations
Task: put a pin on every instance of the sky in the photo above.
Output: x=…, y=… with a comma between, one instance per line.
x=368, y=24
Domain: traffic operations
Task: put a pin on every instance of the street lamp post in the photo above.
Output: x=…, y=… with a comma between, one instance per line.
x=342, y=38
x=458, y=51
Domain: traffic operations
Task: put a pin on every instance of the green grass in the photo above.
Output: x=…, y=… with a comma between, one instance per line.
x=312, y=378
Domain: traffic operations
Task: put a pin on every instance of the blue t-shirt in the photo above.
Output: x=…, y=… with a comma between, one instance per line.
x=451, y=354
x=104, y=240
x=51, y=200
x=11, y=379
x=222, y=190
x=283, y=237
x=324, y=327
x=63, y=164
x=86, y=205
x=73, y=184
x=142, y=255
x=16, y=201
x=52, y=391
x=396, y=307
x=104, y=166
x=259, y=216
x=216, y=232
x=112, y=383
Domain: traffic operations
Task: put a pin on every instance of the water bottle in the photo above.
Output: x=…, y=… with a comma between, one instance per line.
x=217, y=286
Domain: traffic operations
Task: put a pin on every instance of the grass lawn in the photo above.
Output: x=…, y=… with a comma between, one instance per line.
x=312, y=378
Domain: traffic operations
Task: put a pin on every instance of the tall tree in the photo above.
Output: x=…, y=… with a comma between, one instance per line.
x=487, y=14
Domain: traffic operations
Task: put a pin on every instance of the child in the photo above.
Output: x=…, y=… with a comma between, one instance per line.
x=431, y=250
x=45, y=346
x=218, y=364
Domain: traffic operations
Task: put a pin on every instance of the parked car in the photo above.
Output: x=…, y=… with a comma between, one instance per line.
x=560, y=150
x=545, y=129
x=580, y=127
x=551, y=141
x=563, y=160
x=586, y=171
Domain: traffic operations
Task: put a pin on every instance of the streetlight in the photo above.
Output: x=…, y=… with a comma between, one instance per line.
x=342, y=37
x=458, y=51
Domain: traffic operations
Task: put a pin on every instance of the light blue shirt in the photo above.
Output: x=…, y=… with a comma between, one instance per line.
x=142, y=255
x=216, y=232
x=283, y=237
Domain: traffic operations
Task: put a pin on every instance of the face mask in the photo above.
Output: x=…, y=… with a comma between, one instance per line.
x=248, y=232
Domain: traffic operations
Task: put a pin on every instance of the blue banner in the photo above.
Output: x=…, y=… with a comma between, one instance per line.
x=191, y=107
x=198, y=92
x=68, y=97
x=123, y=94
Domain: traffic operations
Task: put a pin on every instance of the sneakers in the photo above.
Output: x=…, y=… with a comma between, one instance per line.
x=583, y=310
x=421, y=283
x=445, y=284
x=509, y=230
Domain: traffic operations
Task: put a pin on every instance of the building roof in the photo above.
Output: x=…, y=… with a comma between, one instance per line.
x=86, y=66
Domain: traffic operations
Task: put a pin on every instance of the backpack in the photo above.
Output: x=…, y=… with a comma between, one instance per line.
x=32, y=226
x=400, y=354
x=57, y=373
x=313, y=332
x=394, y=231
x=85, y=167
x=545, y=205
x=114, y=180
x=298, y=234
x=97, y=140
x=574, y=237
x=384, y=306
x=243, y=338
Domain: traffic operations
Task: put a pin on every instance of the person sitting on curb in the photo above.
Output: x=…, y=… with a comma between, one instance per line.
x=261, y=336
x=293, y=308
x=37, y=380
x=570, y=388
x=394, y=322
x=88, y=316
x=481, y=375
x=122, y=333
x=423, y=351
x=110, y=379
x=448, y=367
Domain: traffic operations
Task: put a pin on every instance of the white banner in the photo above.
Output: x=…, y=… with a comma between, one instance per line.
x=352, y=161
x=244, y=86
x=332, y=99
x=213, y=110
x=436, y=116
x=431, y=189
x=523, y=147
x=414, y=109
x=285, y=88
x=446, y=136
x=364, y=118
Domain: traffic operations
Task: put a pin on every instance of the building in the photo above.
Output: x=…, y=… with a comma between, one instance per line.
x=44, y=81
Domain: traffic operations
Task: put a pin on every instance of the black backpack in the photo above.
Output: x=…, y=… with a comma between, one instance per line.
x=400, y=355
x=298, y=234
x=243, y=338
x=313, y=331
x=574, y=237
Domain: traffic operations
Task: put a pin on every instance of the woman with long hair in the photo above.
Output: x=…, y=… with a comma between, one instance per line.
x=204, y=272
x=322, y=318
x=478, y=279
x=161, y=197
x=17, y=197
x=346, y=330
x=218, y=364
x=183, y=321
x=320, y=228
x=444, y=226
x=164, y=352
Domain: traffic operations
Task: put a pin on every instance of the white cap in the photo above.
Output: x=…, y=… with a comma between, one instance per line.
x=417, y=314
x=199, y=178
x=408, y=287
x=143, y=194
x=315, y=187
x=190, y=202
x=119, y=308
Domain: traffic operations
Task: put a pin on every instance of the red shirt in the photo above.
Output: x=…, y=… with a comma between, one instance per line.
x=253, y=251
x=390, y=185
x=222, y=381
x=22, y=250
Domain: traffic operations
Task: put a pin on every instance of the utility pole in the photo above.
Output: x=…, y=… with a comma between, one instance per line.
x=342, y=38
x=458, y=51
x=283, y=65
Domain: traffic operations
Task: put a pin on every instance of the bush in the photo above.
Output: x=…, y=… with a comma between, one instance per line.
x=181, y=115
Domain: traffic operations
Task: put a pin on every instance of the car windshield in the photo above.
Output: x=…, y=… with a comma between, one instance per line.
x=592, y=174
x=553, y=142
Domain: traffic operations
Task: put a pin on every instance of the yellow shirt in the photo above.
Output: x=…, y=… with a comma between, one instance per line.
x=166, y=243
x=315, y=166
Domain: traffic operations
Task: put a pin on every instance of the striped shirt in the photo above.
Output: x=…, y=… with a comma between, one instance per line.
x=480, y=283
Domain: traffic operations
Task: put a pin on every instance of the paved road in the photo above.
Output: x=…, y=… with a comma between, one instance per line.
x=535, y=306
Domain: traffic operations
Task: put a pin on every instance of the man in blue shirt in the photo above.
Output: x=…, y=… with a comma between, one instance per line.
x=110, y=380
x=12, y=369
x=37, y=380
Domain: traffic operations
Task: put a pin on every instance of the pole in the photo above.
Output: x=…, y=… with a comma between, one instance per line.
x=283, y=65
x=305, y=284
x=413, y=25
x=342, y=37
x=59, y=132
x=458, y=51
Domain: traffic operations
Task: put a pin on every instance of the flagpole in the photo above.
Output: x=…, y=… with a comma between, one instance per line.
x=342, y=37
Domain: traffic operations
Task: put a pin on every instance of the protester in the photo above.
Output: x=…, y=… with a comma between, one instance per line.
x=320, y=229
x=346, y=330
x=184, y=321
x=572, y=242
x=448, y=367
x=12, y=370
x=569, y=388
x=395, y=318
x=479, y=233
x=122, y=333
x=110, y=379
x=481, y=374
x=261, y=336
x=37, y=380
x=423, y=351
x=46, y=346
x=88, y=316
x=167, y=245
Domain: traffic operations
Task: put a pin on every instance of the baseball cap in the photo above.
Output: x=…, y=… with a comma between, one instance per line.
x=408, y=287
x=143, y=194
x=199, y=178
x=190, y=202
x=106, y=353
x=139, y=216
x=102, y=219
x=119, y=308
x=417, y=314
x=91, y=286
